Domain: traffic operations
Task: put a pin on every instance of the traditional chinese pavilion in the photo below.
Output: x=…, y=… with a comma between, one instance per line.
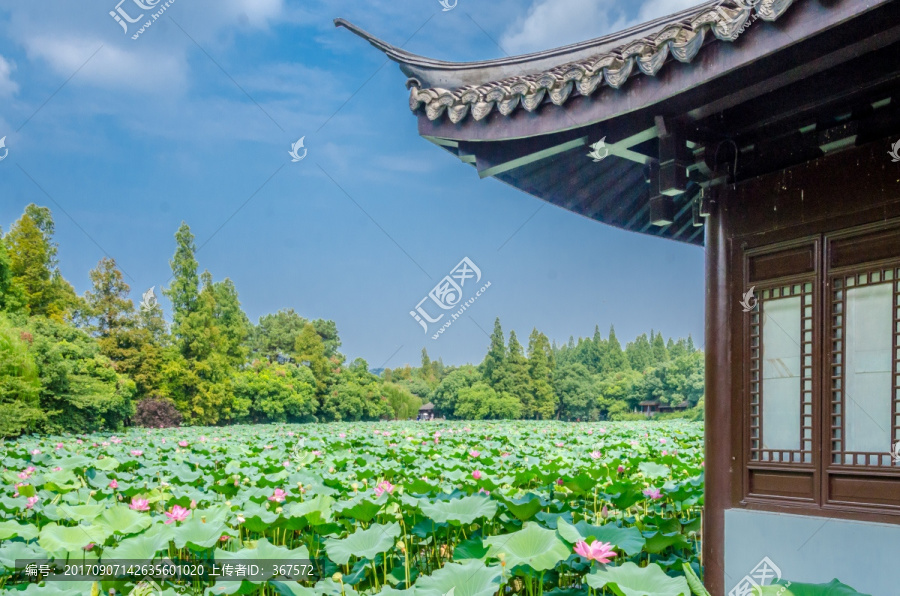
x=764, y=133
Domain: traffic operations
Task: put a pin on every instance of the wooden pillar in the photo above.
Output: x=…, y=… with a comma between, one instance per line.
x=718, y=399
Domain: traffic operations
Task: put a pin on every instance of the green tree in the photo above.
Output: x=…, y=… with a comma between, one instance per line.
x=20, y=385
x=660, y=353
x=309, y=350
x=640, y=353
x=493, y=365
x=271, y=392
x=516, y=378
x=33, y=266
x=544, y=402
x=356, y=395
x=573, y=384
x=446, y=395
x=480, y=402
x=232, y=324
x=184, y=290
x=80, y=388
x=614, y=358
x=404, y=404
x=12, y=298
x=275, y=335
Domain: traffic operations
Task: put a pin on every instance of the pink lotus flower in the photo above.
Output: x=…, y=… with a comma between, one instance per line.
x=23, y=475
x=57, y=469
x=116, y=440
x=35, y=452
x=31, y=501
x=137, y=452
x=596, y=455
x=662, y=441
x=384, y=487
x=279, y=496
x=286, y=463
x=602, y=552
x=79, y=441
x=113, y=484
x=652, y=493
x=342, y=435
x=377, y=432
x=664, y=452
x=267, y=447
x=590, y=432
x=177, y=514
x=476, y=474
x=474, y=453
x=559, y=481
x=484, y=492
x=604, y=512
x=105, y=443
x=138, y=504
x=560, y=444
x=182, y=443
x=59, y=445
x=620, y=469
x=224, y=538
x=316, y=452
x=602, y=431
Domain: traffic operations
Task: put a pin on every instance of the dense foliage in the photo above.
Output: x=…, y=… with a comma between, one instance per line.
x=387, y=508
x=80, y=363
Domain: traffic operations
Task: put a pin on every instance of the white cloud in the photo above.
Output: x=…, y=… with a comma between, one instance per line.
x=554, y=23
x=112, y=67
x=8, y=87
x=255, y=12
x=652, y=9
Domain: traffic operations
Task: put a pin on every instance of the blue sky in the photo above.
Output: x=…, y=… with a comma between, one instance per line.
x=123, y=139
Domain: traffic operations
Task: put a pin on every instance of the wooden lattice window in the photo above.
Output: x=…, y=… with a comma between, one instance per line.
x=865, y=367
x=781, y=375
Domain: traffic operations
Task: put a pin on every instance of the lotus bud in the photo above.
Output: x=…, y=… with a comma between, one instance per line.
x=241, y=519
x=337, y=577
x=604, y=512
x=279, y=509
x=93, y=492
x=228, y=503
x=401, y=547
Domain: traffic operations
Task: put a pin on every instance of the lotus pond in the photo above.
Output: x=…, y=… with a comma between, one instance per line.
x=395, y=508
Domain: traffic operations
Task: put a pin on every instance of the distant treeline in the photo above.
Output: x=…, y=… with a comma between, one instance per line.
x=98, y=361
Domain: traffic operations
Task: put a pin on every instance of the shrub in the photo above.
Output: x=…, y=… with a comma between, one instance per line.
x=156, y=412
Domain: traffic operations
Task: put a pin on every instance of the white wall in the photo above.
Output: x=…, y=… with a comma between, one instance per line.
x=813, y=550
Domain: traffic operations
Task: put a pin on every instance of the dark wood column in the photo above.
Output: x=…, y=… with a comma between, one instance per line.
x=717, y=403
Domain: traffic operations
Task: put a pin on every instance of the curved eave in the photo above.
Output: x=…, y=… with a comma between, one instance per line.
x=430, y=72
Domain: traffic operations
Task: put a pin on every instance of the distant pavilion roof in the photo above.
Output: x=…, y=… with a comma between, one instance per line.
x=720, y=93
x=428, y=406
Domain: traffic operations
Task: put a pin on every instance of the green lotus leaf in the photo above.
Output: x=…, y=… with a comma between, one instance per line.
x=629, y=540
x=654, y=470
x=631, y=580
x=80, y=513
x=197, y=535
x=315, y=511
x=143, y=547
x=537, y=547
x=60, y=540
x=525, y=507
x=13, y=529
x=19, y=550
x=122, y=520
x=107, y=464
x=378, y=538
x=461, y=511
x=329, y=587
x=263, y=551
x=472, y=578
